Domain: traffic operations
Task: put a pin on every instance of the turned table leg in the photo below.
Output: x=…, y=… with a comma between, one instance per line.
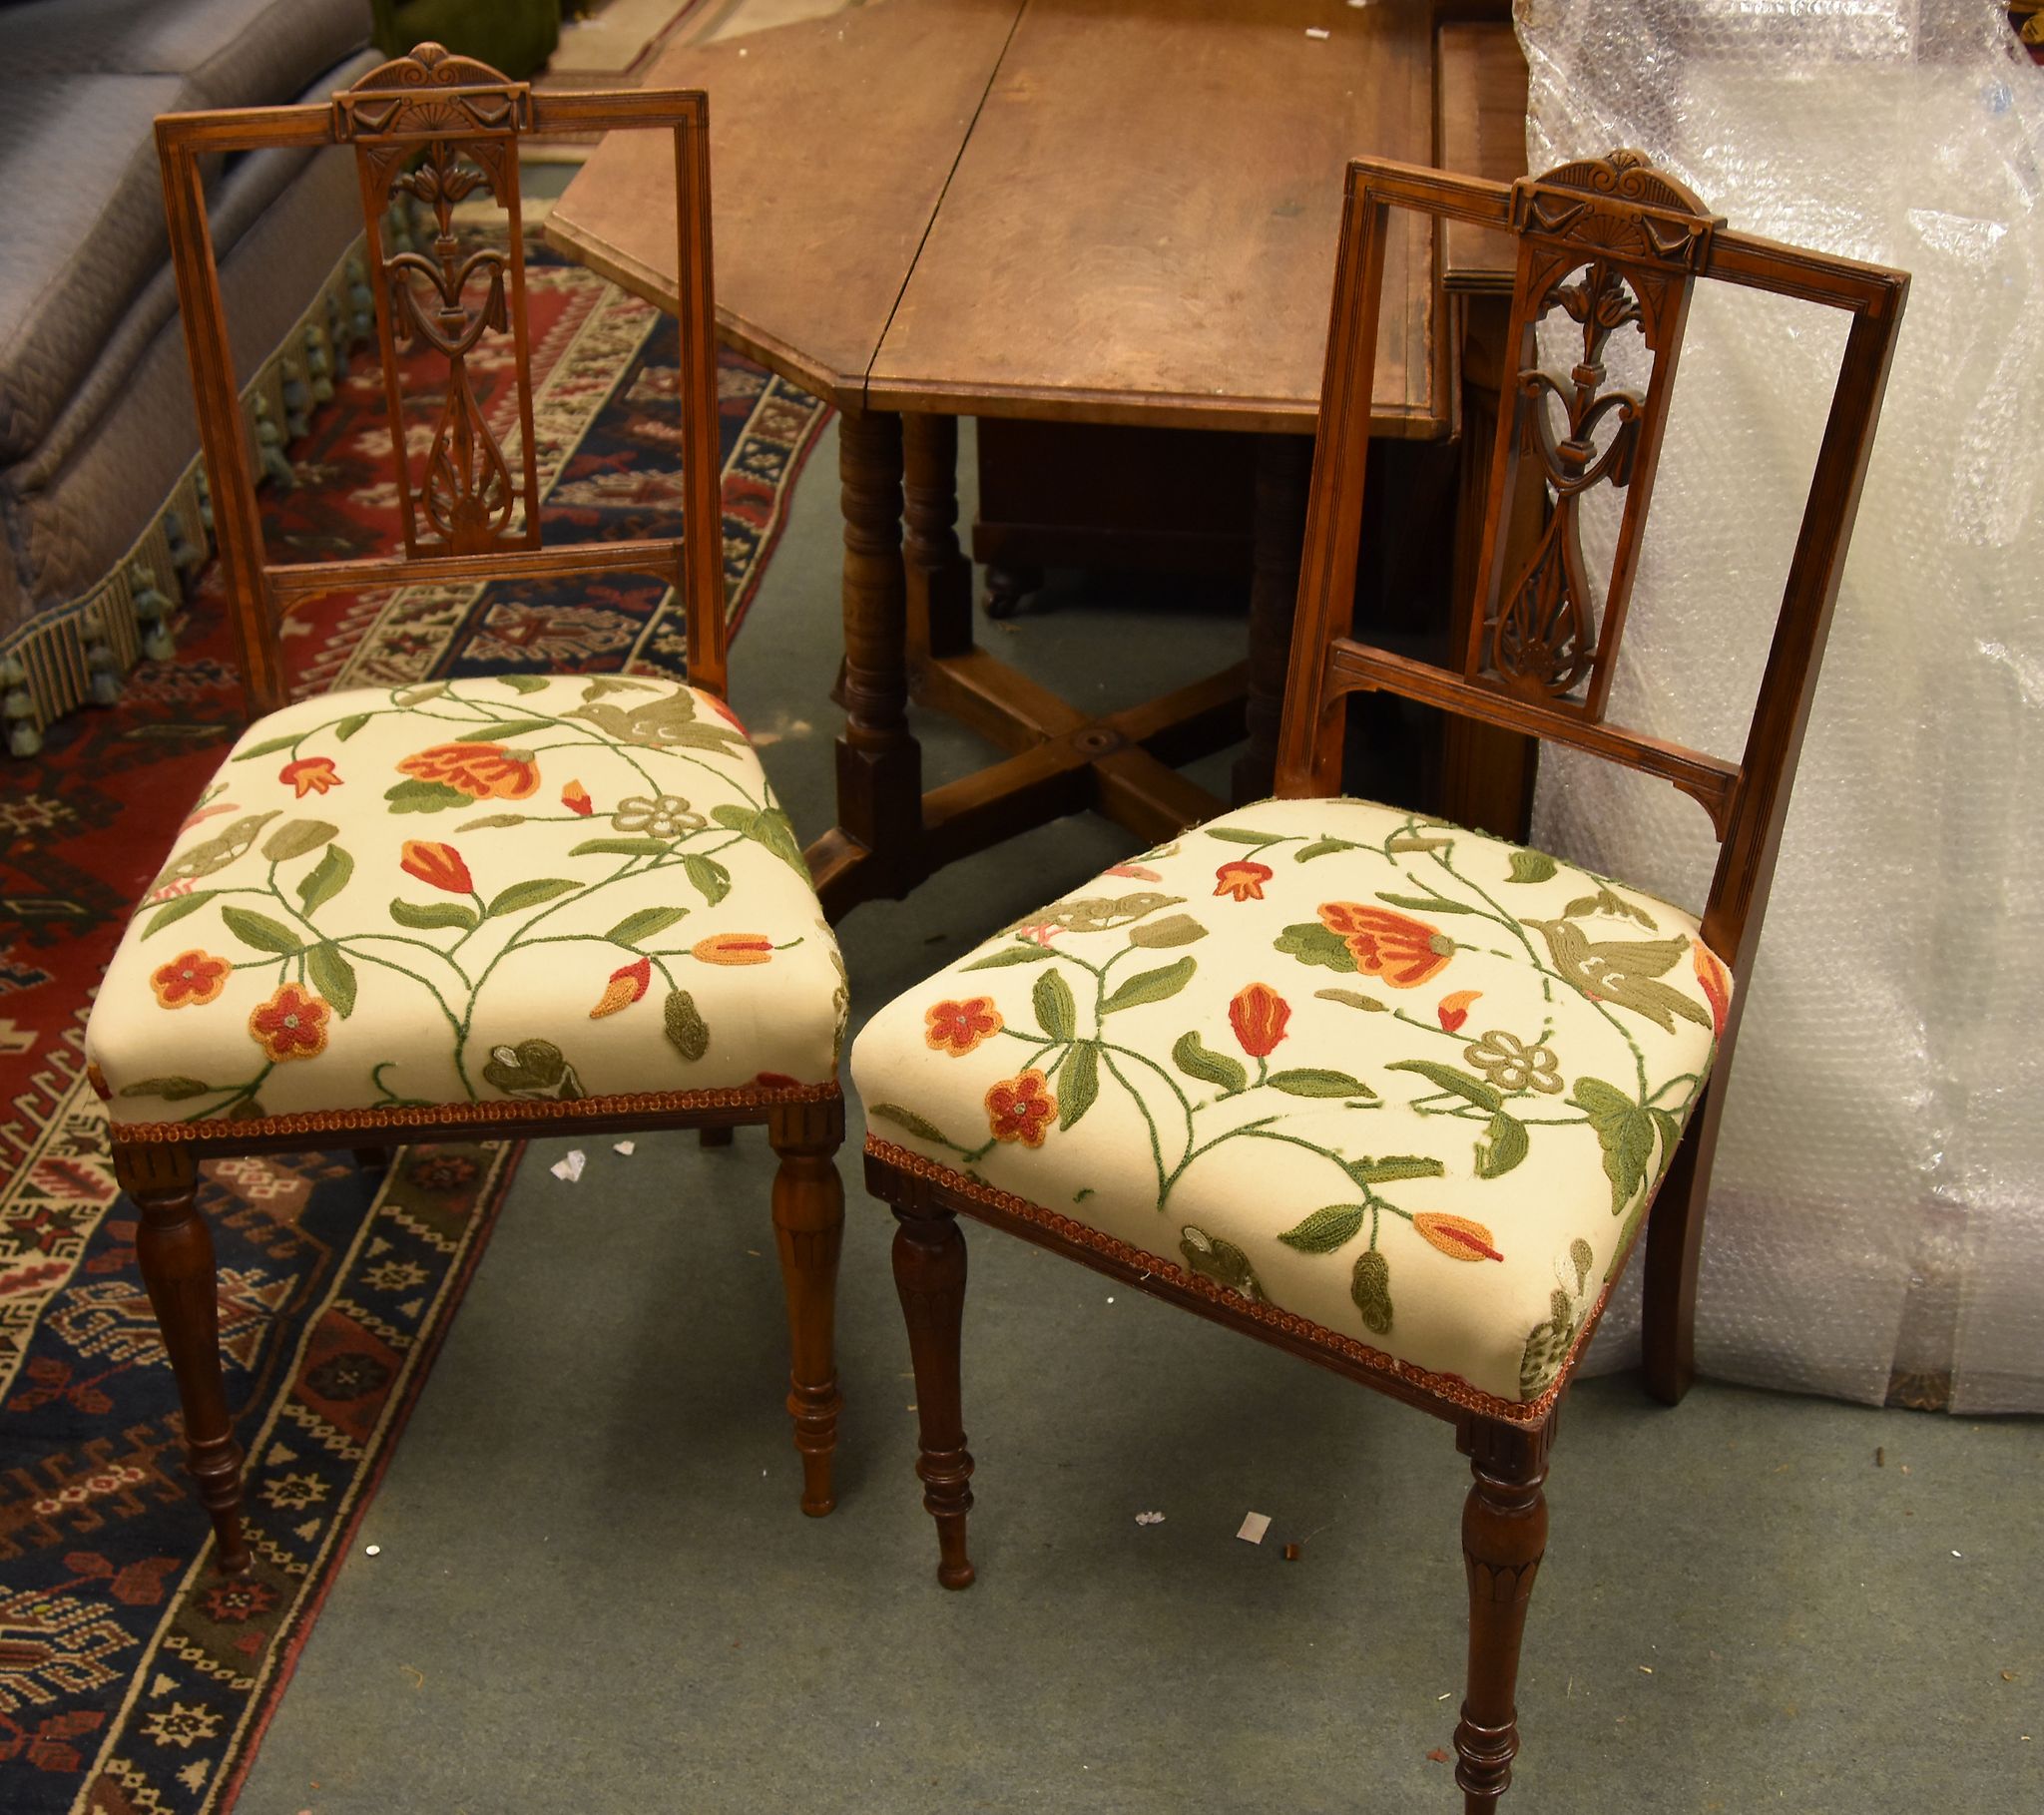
x=1283, y=470
x=175, y=1249
x=938, y=575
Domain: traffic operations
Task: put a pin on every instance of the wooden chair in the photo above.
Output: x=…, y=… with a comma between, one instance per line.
x=479, y=908
x=1389, y=1094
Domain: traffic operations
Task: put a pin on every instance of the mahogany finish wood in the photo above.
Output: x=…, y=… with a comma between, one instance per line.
x=1016, y=236
x=441, y=129
x=1632, y=244
x=929, y=1276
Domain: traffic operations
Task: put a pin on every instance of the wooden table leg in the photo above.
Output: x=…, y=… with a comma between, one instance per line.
x=1284, y=469
x=938, y=575
x=875, y=849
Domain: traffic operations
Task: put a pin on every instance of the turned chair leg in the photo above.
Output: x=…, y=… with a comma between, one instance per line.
x=174, y=1248
x=929, y=1274
x=1504, y=1535
x=808, y=1229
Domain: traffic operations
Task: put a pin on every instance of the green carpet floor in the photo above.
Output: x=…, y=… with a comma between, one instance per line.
x=594, y=1592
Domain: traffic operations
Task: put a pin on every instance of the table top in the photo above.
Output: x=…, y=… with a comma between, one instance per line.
x=1099, y=209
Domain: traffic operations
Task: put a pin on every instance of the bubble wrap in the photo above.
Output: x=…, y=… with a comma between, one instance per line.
x=1877, y=1208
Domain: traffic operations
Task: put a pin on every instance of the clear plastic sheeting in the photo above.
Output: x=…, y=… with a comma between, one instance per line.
x=1877, y=1219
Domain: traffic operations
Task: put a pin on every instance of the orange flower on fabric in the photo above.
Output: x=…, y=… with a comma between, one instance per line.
x=627, y=983
x=291, y=1024
x=1716, y=981
x=1021, y=1109
x=1456, y=1237
x=1242, y=879
x=575, y=797
x=957, y=1026
x=438, y=864
x=1258, y=1014
x=1402, y=951
x=733, y=948
x=1453, y=1009
x=190, y=980
x=1136, y=872
x=311, y=775
x=483, y=771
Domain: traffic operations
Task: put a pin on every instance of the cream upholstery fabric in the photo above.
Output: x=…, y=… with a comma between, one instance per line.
x=1397, y=1077
x=513, y=887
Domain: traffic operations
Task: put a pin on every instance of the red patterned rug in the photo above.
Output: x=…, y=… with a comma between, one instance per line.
x=132, y=1678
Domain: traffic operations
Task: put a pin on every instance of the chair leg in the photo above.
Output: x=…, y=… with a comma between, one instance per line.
x=808, y=1229
x=929, y=1274
x=715, y=1137
x=1675, y=1248
x=174, y=1248
x=1504, y=1535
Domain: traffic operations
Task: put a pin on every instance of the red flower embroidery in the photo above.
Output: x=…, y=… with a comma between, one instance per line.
x=627, y=983
x=1456, y=1237
x=1136, y=872
x=733, y=948
x=1258, y=1014
x=575, y=797
x=438, y=864
x=1242, y=879
x=1453, y=1009
x=1402, y=951
x=958, y=1027
x=190, y=980
x=1021, y=1109
x=1716, y=981
x=483, y=771
x=291, y=1024
x=311, y=775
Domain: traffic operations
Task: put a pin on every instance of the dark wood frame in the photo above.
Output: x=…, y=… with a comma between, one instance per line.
x=1598, y=218
x=426, y=110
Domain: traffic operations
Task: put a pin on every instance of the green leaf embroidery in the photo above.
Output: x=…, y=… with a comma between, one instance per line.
x=687, y=1031
x=618, y=847
x=296, y=837
x=1353, y=998
x=1312, y=942
x=524, y=683
x=1371, y=1287
x=506, y=732
x=439, y=914
x=1078, y=1082
x=1400, y=843
x=1056, y=1013
x=1232, y=834
x=259, y=930
x=1671, y=1134
x=1325, y=1230
x=1149, y=986
x=1625, y=1130
x=644, y=924
x=1446, y=1077
x=325, y=879
x=1322, y=847
x=1030, y=953
x=418, y=693
x=1218, y=1260
x=768, y=826
x=1428, y=904
x=712, y=879
x=490, y=821
x=332, y=976
x=521, y=895
x=1173, y=929
x=347, y=727
x=1531, y=866
x=424, y=797
x=1196, y=1060
x=173, y=1088
x=1606, y=901
x=1393, y=1168
x=1504, y=1144
x=908, y=1118
x=176, y=909
x=267, y=747
x=1315, y=1081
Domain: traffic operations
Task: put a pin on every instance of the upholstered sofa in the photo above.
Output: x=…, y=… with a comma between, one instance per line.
x=97, y=435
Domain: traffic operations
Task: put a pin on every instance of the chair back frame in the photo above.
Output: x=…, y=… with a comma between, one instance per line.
x=1614, y=244
x=440, y=128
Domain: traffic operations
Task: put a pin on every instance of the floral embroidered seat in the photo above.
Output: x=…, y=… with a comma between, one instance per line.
x=1406, y=1082
x=403, y=898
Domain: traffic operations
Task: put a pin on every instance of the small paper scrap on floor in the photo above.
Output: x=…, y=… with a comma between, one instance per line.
x=372, y=1549
x=1316, y=31
x=569, y=1167
x=626, y=1148
x=1148, y=1518
x=1254, y=1527
x=1438, y=1756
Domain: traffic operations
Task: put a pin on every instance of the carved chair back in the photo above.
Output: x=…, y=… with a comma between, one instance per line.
x=1614, y=246
x=439, y=129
